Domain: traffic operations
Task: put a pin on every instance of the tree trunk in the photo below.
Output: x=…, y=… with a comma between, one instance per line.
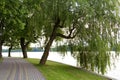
x=9, y=55
x=23, y=47
x=0, y=49
x=47, y=47
x=46, y=52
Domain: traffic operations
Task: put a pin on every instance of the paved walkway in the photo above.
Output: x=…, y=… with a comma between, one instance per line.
x=18, y=69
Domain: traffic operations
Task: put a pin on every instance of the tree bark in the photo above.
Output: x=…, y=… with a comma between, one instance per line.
x=47, y=47
x=46, y=52
x=9, y=51
x=0, y=49
x=23, y=47
x=1, y=32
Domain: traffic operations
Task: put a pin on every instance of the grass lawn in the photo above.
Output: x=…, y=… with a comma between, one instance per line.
x=1, y=60
x=58, y=71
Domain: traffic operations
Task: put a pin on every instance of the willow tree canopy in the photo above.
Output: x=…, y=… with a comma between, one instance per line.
x=90, y=27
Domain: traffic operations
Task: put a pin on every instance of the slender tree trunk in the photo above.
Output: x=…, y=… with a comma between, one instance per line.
x=23, y=47
x=9, y=55
x=46, y=52
x=1, y=29
x=0, y=49
x=47, y=47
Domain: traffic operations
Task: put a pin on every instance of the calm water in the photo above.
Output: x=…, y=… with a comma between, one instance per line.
x=68, y=59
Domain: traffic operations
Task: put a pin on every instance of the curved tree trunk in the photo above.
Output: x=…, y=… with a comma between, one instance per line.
x=47, y=47
x=9, y=51
x=1, y=40
x=23, y=47
x=52, y=37
x=46, y=52
x=1, y=43
x=0, y=49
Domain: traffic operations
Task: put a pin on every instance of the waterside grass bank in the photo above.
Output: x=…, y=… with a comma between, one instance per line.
x=58, y=71
x=1, y=60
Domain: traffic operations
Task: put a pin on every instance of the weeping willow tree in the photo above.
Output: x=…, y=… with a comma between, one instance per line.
x=97, y=34
x=89, y=26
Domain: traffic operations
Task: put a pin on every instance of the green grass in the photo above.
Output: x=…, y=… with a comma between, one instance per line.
x=58, y=71
x=1, y=60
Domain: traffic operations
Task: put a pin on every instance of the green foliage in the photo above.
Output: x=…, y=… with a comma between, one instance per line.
x=19, y=19
x=94, y=23
x=53, y=10
x=92, y=26
x=97, y=29
x=63, y=49
x=11, y=23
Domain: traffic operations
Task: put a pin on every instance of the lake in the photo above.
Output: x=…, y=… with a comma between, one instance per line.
x=68, y=59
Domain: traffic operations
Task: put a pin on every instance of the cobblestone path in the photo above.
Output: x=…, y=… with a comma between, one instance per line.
x=18, y=69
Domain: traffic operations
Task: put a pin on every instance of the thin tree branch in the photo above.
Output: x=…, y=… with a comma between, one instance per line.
x=66, y=37
x=71, y=31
